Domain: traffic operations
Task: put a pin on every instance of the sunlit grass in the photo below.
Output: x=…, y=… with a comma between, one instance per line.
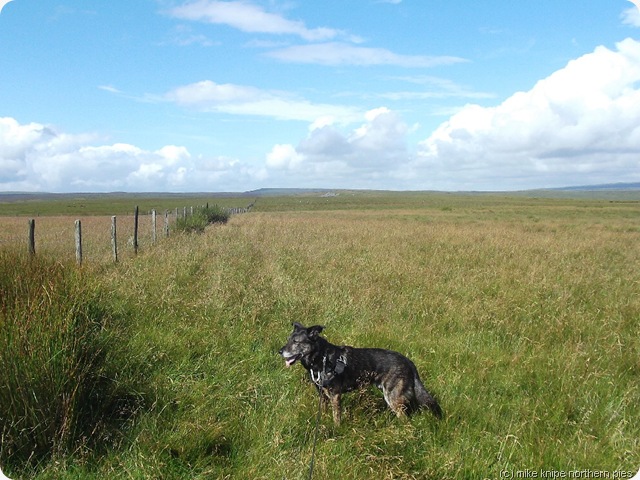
x=65, y=384
x=522, y=318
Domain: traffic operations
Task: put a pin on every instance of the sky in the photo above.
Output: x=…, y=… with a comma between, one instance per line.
x=237, y=95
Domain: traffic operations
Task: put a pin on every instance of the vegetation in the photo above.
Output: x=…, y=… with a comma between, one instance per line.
x=104, y=204
x=521, y=315
x=201, y=218
x=65, y=384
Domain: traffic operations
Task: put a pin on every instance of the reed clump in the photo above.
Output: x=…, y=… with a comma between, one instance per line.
x=66, y=385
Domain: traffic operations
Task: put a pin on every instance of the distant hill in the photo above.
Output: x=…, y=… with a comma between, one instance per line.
x=587, y=191
x=604, y=186
x=274, y=192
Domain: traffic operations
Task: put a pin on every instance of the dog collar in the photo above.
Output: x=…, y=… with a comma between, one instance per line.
x=319, y=377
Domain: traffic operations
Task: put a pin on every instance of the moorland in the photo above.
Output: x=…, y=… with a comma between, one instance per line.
x=521, y=312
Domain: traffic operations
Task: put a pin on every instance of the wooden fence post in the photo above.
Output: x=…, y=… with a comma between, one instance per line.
x=114, y=242
x=166, y=223
x=78, y=242
x=153, y=225
x=32, y=237
x=135, y=231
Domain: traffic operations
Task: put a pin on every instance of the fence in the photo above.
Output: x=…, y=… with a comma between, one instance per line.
x=132, y=224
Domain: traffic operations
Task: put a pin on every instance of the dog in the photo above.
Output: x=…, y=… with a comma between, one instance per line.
x=339, y=369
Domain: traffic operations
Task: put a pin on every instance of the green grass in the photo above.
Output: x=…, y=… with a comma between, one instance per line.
x=521, y=315
x=65, y=385
x=108, y=204
x=201, y=218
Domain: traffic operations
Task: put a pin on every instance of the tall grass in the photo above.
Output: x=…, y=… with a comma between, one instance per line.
x=201, y=218
x=521, y=316
x=65, y=383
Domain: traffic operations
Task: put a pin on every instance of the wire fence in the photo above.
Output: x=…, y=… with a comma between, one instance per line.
x=100, y=238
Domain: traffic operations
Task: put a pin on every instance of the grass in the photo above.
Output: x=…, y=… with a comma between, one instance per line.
x=64, y=388
x=106, y=204
x=201, y=218
x=520, y=314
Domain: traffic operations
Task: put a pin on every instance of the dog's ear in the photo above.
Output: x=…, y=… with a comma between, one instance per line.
x=298, y=326
x=315, y=331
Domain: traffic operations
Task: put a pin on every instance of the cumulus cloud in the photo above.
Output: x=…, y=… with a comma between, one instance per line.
x=283, y=157
x=374, y=151
x=340, y=53
x=579, y=125
x=248, y=17
x=35, y=157
x=246, y=100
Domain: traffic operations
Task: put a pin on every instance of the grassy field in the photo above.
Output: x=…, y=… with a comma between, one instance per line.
x=522, y=315
x=35, y=205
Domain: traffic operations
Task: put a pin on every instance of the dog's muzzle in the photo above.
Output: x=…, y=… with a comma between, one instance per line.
x=289, y=359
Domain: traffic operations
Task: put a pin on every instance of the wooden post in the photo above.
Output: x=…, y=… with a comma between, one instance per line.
x=114, y=242
x=135, y=231
x=184, y=212
x=78, y=242
x=166, y=223
x=32, y=237
x=153, y=226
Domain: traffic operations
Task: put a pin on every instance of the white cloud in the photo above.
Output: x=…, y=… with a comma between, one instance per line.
x=283, y=156
x=208, y=93
x=434, y=87
x=35, y=157
x=248, y=17
x=631, y=16
x=246, y=100
x=110, y=89
x=340, y=53
x=372, y=153
x=579, y=125
x=184, y=36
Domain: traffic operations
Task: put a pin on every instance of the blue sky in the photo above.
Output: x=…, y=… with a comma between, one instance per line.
x=169, y=95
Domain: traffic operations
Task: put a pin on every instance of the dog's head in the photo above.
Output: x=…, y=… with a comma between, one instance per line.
x=302, y=342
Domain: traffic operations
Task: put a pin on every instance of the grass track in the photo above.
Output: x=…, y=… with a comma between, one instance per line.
x=522, y=316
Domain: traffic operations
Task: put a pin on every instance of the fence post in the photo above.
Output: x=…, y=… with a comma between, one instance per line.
x=184, y=212
x=166, y=223
x=78, y=242
x=135, y=231
x=32, y=237
x=153, y=223
x=114, y=242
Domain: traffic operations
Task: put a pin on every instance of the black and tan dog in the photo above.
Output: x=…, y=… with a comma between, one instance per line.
x=336, y=370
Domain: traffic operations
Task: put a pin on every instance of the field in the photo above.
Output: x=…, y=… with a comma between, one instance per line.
x=522, y=315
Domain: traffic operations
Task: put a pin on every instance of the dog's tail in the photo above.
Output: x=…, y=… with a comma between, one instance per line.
x=424, y=398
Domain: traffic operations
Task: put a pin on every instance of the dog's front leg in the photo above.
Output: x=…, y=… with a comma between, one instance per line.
x=335, y=406
x=326, y=397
